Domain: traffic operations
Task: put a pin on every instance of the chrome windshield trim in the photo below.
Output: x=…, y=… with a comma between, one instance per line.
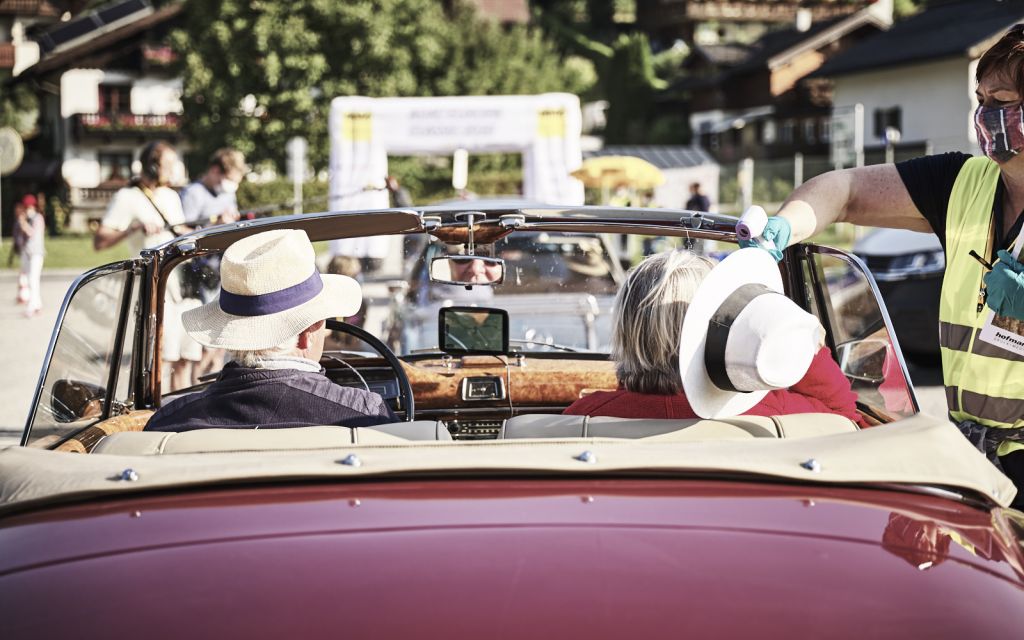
x=823, y=250
x=79, y=282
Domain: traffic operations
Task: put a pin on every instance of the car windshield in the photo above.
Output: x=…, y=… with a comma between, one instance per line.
x=558, y=290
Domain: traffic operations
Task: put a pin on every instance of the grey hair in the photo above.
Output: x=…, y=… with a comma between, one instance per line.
x=254, y=359
x=648, y=319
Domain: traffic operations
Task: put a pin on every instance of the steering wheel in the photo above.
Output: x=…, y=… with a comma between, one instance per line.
x=404, y=387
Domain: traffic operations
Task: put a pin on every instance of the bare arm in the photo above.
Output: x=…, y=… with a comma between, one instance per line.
x=871, y=196
x=26, y=228
x=106, y=237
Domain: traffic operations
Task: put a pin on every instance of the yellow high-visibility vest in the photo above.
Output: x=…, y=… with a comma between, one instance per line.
x=984, y=383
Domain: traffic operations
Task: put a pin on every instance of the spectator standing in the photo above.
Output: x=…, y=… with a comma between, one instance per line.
x=145, y=214
x=16, y=243
x=399, y=195
x=208, y=201
x=212, y=198
x=698, y=201
x=412, y=245
x=32, y=229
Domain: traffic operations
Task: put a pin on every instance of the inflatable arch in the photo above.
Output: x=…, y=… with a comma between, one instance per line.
x=544, y=128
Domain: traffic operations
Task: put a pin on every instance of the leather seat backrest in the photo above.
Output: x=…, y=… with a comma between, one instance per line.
x=321, y=437
x=566, y=426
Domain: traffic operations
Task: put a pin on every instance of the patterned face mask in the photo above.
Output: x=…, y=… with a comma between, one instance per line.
x=1000, y=131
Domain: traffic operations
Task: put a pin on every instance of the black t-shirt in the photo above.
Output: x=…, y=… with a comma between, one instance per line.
x=929, y=181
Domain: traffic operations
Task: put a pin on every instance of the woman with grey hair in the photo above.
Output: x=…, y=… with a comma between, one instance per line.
x=648, y=318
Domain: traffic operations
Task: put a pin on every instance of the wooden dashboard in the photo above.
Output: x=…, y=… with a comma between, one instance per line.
x=485, y=388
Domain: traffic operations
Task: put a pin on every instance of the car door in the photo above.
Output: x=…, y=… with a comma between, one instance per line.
x=87, y=373
x=838, y=288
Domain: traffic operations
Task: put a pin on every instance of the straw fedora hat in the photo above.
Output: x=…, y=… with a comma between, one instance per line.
x=270, y=291
x=742, y=337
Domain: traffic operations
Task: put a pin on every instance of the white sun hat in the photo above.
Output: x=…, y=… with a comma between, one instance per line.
x=742, y=337
x=270, y=291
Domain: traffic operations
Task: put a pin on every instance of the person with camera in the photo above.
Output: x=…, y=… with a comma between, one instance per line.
x=147, y=213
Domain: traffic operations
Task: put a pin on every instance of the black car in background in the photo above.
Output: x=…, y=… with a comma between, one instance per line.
x=908, y=267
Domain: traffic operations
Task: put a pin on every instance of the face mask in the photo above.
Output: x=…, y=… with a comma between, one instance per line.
x=228, y=186
x=1000, y=131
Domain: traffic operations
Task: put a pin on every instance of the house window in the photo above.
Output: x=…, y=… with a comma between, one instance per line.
x=115, y=98
x=768, y=133
x=786, y=132
x=885, y=118
x=810, y=136
x=115, y=168
x=826, y=130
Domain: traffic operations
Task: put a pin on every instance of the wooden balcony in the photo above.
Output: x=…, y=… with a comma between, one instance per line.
x=41, y=8
x=106, y=126
x=88, y=207
x=6, y=55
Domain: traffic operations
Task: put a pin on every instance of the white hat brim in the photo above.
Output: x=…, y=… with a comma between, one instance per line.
x=744, y=266
x=211, y=326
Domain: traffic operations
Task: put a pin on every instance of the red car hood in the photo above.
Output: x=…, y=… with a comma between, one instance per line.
x=512, y=559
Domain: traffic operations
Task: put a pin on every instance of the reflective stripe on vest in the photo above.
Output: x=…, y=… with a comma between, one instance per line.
x=983, y=382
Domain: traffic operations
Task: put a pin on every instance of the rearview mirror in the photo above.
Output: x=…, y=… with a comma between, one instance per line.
x=864, y=359
x=467, y=270
x=473, y=330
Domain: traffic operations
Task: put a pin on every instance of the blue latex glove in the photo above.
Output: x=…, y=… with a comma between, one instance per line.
x=1004, y=287
x=777, y=231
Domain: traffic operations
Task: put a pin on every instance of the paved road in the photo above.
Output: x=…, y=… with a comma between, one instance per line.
x=23, y=343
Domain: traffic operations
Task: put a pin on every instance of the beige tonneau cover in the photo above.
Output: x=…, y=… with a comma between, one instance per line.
x=917, y=451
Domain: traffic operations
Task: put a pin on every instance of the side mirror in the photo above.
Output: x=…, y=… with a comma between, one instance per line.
x=467, y=270
x=473, y=330
x=864, y=359
x=71, y=400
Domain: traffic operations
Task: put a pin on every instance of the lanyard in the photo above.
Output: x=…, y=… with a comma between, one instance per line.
x=995, y=238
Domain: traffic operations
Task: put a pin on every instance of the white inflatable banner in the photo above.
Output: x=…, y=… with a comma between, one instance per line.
x=544, y=128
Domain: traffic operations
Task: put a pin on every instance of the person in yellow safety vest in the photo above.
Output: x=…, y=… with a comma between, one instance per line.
x=972, y=204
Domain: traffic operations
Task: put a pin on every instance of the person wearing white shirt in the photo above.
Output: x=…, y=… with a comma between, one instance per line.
x=145, y=214
x=32, y=229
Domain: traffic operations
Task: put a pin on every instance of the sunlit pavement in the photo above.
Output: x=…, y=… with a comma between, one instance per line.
x=23, y=343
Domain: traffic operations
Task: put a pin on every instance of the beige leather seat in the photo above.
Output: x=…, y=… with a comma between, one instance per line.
x=561, y=426
x=212, y=440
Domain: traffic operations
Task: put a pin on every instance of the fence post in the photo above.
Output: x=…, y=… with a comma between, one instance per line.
x=746, y=180
x=858, y=133
x=798, y=169
x=296, y=148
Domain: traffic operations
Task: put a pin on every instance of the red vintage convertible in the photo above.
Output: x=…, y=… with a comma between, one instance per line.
x=484, y=512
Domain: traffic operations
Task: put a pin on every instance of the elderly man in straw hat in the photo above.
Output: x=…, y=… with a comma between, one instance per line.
x=270, y=318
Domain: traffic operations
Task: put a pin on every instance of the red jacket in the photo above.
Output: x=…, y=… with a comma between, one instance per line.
x=823, y=389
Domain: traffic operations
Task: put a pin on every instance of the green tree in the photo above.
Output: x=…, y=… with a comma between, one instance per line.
x=258, y=73
x=630, y=84
x=19, y=109
x=624, y=65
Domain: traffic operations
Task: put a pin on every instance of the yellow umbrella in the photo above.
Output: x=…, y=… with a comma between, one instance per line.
x=612, y=171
